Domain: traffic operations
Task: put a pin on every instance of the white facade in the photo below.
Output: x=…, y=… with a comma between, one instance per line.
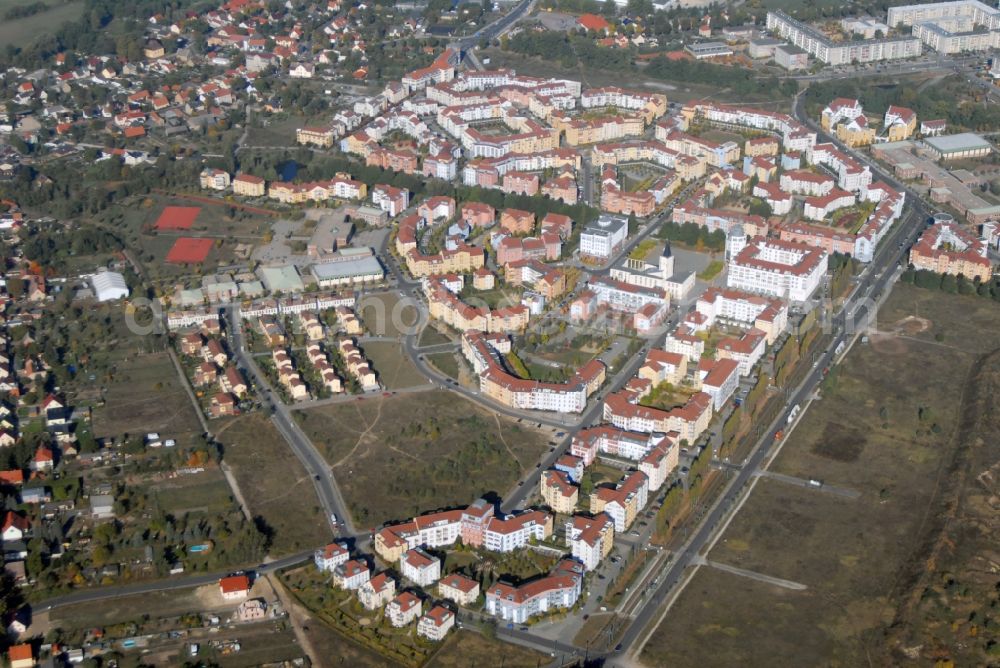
x=603, y=238
x=779, y=268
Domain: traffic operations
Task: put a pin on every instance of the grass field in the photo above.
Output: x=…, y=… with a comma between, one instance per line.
x=431, y=337
x=419, y=451
x=395, y=371
x=382, y=314
x=125, y=609
x=205, y=492
x=466, y=649
x=146, y=395
x=22, y=32
x=881, y=429
x=275, y=485
x=340, y=651
x=446, y=363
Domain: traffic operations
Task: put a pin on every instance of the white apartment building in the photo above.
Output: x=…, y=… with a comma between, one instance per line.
x=517, y=604
x=802, y=182
x=331, y=556
x=436, y=623
x=602, y=239
x=403, y=609
x=515, y=532
x=419, y=567
x=622, y=296
x=719, y=380
x=590, y=539
x=742, y=309
x=780, y=268
x=817, y=44
x=377, y=592
x=951, y=27
x=351, y=574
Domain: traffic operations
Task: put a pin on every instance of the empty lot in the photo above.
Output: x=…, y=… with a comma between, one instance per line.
x=886, y=427
x=409, y=453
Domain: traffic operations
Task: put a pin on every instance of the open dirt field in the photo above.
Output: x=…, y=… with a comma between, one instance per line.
x=887, y=427
x=419, y=451
x=146, y=395
x=278, y=490
x=466, y=649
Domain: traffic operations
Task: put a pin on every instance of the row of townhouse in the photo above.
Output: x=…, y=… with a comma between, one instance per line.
x=357, y=365
x=714, y=153
x=288, y=376
x=343, y=122
x=446, y=306
x=580, y=131
x=476, y=526
x=489, y=172
x=613, y=441
x=547, y=281
x=617, y=200
x=484, y=354
x=321, y=362
x=545, y=247
x=623, y=410
x=649, y=105
x=794, y=135
x=340, y=187
x=947, y=248
x=718, y=219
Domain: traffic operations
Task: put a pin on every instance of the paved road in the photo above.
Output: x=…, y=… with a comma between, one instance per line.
x=498, y=27
x=313, y=462
x=181, y=582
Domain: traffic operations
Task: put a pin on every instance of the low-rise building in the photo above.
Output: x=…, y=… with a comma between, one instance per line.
x=436, y=623
x=419, y=567
x=458, y=588
x=404, y=609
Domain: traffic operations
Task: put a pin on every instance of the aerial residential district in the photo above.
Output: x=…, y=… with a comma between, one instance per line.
x=534, y=333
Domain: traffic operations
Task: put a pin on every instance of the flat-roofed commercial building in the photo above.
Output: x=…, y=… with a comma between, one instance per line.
x=958, y=147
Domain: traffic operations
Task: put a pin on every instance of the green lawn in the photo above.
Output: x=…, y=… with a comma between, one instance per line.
x=22, y=32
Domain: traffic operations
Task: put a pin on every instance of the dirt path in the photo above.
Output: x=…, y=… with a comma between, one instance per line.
x=504, y=441
x=298, y=617
x=361, y=436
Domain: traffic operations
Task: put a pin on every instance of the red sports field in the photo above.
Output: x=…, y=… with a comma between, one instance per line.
x=188, y=250
x=177, y=217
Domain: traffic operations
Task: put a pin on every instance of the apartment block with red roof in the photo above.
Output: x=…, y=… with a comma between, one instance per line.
x=377, y=592
x=436, y=623
x=558, y=492
x=458, y=588
x=590, y=538
x=419, y=567
x=404, y=609
x=624, y=501
x=517, y=604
